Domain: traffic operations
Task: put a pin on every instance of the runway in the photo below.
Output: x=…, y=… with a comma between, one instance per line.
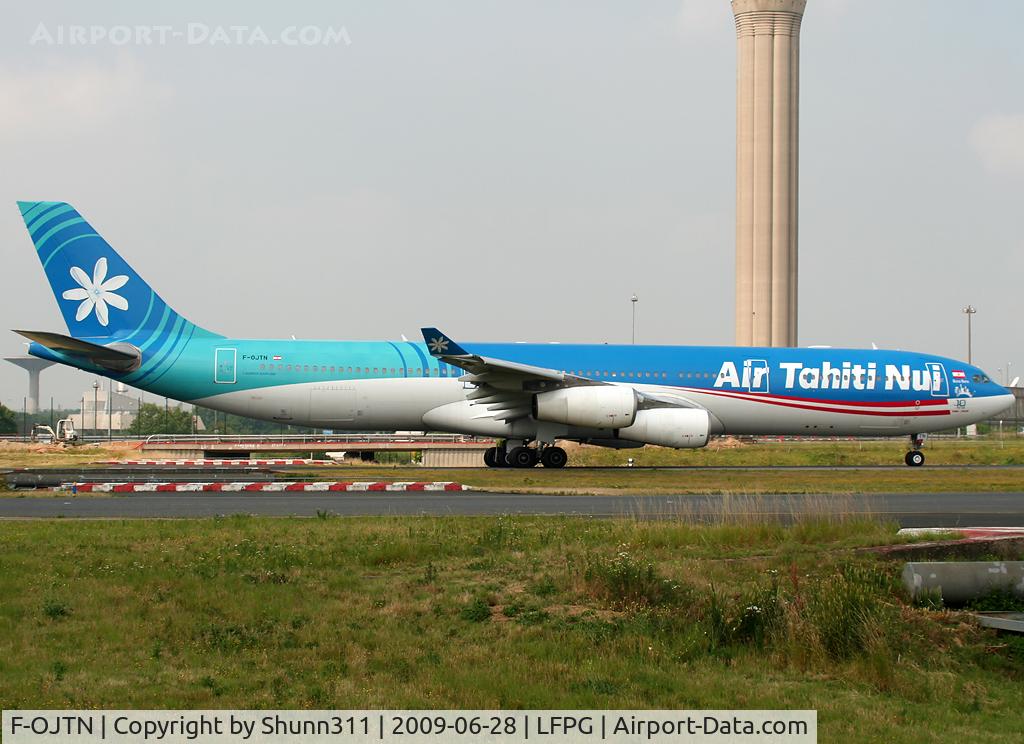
x=908, y=509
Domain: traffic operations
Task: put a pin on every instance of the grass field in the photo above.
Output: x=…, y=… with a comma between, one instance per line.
x=492, y=613
x=667, y=481
x=634, y=481
x=730, y=453
x=662, y=471
x=989, y=450
x=22, y=455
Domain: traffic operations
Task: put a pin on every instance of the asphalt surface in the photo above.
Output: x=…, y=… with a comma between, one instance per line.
x=908, y=509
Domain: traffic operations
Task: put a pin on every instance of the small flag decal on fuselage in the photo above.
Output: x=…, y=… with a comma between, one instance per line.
x=277, y=357
x=959, y=374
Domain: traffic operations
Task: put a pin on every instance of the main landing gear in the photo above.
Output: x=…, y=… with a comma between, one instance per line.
x=525, y=457
x=915, y=458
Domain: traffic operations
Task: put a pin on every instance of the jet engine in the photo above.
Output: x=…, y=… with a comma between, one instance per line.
x=670, y=427
x=592, y=406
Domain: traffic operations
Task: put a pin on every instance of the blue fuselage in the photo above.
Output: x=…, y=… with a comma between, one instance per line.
x=748, y=390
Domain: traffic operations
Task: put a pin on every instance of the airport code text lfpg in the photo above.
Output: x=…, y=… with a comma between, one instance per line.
x=37, y=727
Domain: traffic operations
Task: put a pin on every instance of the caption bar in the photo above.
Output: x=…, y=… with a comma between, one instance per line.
x=407, y=726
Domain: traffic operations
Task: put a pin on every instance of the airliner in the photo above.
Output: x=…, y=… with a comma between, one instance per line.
x=528, y=396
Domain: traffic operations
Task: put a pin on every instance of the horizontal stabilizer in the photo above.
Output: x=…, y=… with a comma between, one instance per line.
x=120, y=357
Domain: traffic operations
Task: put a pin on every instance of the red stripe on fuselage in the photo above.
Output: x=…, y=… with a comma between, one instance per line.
x=863, y=408
x=829, y=401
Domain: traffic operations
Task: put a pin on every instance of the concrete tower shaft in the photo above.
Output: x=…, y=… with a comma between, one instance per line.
x=34, y=366
x=767, y=115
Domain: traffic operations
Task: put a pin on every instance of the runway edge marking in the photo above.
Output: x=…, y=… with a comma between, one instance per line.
x=267, y=487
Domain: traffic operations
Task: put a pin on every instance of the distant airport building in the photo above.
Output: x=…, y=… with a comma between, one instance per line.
x=94, y=416
x=767, y=114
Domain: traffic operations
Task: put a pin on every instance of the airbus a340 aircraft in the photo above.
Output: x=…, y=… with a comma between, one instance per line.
x=532, y=395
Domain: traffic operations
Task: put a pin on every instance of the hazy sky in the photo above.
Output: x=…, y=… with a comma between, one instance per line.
x=516, y=170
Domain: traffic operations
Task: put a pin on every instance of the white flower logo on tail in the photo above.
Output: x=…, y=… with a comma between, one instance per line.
x=97, y=292
x=438, y=345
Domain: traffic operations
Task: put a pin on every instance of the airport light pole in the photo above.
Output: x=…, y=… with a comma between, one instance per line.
x=969, y=311
x=110, y=405
x=633, y=300
x=95, y=388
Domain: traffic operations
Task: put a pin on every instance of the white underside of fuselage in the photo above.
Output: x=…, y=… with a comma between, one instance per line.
x=434, y=404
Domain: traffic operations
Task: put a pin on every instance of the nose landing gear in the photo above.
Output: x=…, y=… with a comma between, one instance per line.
x=915, y=458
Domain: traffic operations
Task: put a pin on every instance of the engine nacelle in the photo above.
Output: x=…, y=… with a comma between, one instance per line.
x=592, y=406
x=670, y=427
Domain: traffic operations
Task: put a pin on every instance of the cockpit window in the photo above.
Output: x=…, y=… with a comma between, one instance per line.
x=980, y=378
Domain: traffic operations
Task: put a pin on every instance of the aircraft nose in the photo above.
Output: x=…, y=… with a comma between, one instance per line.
x=997, y=404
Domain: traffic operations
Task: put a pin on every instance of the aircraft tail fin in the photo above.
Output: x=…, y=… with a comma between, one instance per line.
x=441, y=345
x=99, y=294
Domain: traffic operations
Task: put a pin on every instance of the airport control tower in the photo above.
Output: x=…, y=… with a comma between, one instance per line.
x=33, y=365
x=767, y=113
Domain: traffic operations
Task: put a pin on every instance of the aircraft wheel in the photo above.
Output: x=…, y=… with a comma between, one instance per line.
x=553, y=457
x=491, y=457
x=522, y=457
x=914, y=458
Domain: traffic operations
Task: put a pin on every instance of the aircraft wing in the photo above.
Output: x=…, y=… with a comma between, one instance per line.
x=503, y=386
x=506, y=388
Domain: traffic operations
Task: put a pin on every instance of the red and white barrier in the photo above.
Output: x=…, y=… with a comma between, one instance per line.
x=971, y=533
x=266, y=486
x=218, y=462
